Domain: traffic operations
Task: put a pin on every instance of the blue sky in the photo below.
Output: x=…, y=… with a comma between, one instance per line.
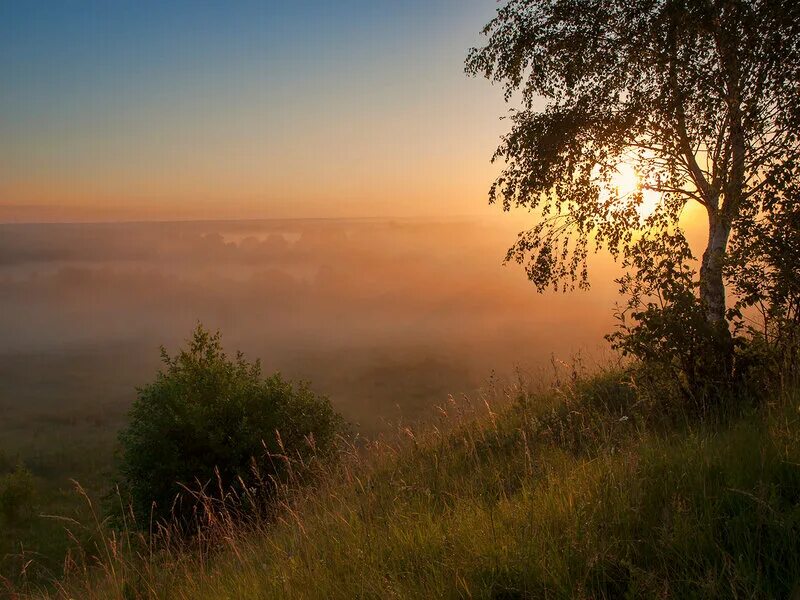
x=300, y=108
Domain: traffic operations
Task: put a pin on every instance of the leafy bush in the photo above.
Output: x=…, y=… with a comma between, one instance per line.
x=664, y=324
x=764, y=266
x=17, y=491
x=207, y=419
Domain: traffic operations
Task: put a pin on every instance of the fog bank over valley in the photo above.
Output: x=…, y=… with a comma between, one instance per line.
x=386, y=317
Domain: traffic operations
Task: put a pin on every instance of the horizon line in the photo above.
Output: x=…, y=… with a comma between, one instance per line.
x=173, y=221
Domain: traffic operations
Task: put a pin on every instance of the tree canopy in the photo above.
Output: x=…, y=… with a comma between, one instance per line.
x=700, y=97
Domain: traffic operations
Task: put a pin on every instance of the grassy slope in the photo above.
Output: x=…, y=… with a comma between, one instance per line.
x=34, y=543
x=596, y=492
x=59, y=415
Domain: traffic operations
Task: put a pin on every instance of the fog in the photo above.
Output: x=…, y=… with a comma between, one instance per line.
x=386, y=317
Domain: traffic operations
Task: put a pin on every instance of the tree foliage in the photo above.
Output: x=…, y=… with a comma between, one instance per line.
x=766, y=275
x=211, y=418
x=662, y=323
x=701, y=97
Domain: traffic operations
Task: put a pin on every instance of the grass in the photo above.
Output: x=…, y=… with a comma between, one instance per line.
x=598, y=489
x=59, y=415
x=33, y=543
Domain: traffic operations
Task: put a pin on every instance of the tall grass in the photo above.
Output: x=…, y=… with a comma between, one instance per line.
x=598, y=488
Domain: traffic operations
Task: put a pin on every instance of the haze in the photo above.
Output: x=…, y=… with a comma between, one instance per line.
x=347, y=129
x=386, y=317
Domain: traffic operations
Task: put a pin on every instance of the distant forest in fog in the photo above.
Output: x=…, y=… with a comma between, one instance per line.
x=386, y=317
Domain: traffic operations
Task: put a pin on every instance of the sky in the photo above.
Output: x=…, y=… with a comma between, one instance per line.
x=139, y=110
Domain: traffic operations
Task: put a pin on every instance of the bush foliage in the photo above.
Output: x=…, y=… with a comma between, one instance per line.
x=213, y=422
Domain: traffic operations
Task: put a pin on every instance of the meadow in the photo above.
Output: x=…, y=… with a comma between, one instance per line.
x=370, y=312
x=462, y=476
x=600, y=486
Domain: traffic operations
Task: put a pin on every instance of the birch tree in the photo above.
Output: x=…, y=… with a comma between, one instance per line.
x=701, y=98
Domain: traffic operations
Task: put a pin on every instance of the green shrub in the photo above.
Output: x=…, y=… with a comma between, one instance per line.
x=764, y=267
x=17, y=492
x=209, y=419
x=664, y=325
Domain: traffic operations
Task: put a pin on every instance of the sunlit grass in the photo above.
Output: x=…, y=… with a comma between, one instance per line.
x=593, y=490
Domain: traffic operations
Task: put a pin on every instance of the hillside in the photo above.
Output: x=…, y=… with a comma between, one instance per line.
x=596, y=489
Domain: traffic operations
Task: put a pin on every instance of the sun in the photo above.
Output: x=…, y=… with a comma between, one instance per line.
x=627, y=182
